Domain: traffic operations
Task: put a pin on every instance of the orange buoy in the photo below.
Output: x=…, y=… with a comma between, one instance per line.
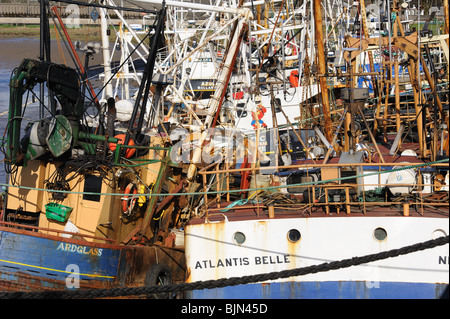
x=121, y=137
x=238, y=95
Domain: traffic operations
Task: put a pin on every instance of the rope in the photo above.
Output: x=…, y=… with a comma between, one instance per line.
x=239, y=190
x=225, y=282
x=239, y=202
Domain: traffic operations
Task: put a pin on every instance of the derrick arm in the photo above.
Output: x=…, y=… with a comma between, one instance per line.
x=63, y=81
x=222, y=80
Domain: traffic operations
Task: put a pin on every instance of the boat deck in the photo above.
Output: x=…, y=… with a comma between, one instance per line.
x=252, y=211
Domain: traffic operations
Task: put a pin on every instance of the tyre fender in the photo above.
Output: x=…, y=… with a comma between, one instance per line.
x=157, y=275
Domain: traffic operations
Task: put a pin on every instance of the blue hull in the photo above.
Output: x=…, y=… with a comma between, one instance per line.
x=36, y=262
x=325, y=290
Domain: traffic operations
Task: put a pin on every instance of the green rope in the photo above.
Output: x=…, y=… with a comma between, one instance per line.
x=240, y=190
x=239, y=202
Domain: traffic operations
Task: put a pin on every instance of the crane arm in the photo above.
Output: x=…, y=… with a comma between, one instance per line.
x=63, y=81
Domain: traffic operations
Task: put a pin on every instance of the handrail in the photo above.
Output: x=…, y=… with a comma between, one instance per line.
x=30, y=228
x=312, y=165
x=437, y=163
x=327, y=184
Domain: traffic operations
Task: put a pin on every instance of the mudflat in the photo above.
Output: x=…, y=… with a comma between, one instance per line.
x=32, y=31
x=15, y=49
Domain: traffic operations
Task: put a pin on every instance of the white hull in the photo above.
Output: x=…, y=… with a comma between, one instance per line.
x=212, y=253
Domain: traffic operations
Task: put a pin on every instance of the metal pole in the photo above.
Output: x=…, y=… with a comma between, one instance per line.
x=369, y=53
x=196, y=6
x=106, y=53
x=322, y=70
x=78, y=61
x=42, y=17
x=446, y=26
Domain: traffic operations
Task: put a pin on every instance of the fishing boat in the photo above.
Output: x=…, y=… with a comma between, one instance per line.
x=374, y=191
x=78, y=211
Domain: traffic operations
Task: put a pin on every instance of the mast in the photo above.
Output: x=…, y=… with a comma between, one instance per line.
x=44, y=55
x=106, y=53
x=41, y=54
x=322, y=71
x=369, y=53
x=222, y=81
x=446, y=25
x=147, y=76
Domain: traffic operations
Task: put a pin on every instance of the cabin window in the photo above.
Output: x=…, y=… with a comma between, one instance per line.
x=92, y=184
x=239, y=238
x=294, y=235
x=380, y=234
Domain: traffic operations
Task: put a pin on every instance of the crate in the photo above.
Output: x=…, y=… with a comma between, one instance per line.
x=358, y=94
x=57, y=212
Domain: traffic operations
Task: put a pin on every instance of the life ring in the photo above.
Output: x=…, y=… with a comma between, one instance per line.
x=128, y=203
x=293, y=78
x=157, y=275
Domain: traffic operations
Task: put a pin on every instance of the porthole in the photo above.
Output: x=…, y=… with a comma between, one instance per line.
x=380, y=234
x=239, y=238
x=438, y=233
x=294, y=235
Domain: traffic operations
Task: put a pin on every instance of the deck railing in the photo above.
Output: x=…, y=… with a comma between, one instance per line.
x=37, y=231
x=421, y=196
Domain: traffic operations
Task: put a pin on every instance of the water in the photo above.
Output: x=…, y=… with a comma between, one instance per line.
x=4, y=98
x=13, y=51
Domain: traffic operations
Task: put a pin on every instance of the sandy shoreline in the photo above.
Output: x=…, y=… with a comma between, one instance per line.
x=90, y=31
x=19, y=42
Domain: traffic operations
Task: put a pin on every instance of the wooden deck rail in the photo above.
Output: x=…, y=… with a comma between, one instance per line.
x=327, y=186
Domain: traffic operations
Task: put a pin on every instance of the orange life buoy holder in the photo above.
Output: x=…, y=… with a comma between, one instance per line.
x=293, y=78
x=129, y=151
x=129, y=202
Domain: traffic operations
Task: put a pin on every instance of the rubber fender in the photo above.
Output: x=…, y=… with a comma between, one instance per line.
x=159, y=274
